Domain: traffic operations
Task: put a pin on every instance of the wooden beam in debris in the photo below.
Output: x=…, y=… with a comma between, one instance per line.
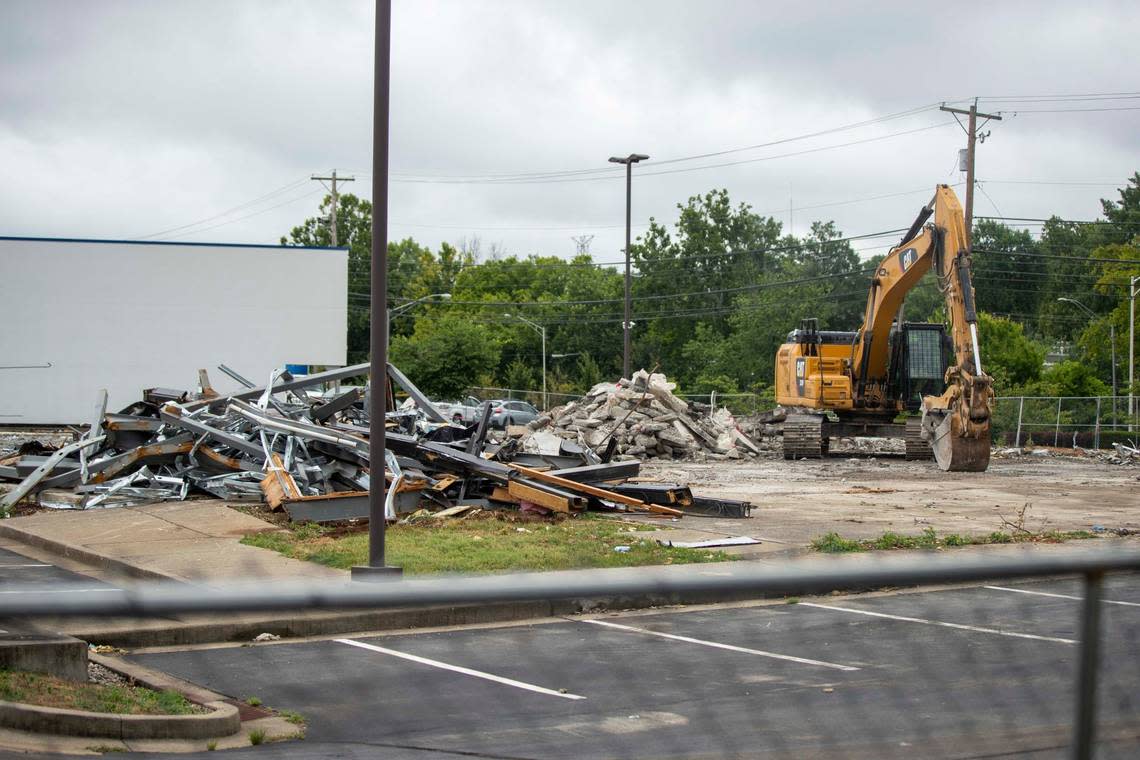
x=546, y=496
x=600, y=493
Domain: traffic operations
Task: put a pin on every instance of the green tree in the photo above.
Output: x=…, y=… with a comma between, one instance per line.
x=1008, y=356
x=446, y=355
x=1007, y=274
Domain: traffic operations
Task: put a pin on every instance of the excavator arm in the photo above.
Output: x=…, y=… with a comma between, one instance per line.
x=957, y=423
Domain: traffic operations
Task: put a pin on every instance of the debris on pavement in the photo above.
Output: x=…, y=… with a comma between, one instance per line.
x=710, y=543
x=303, y=451
x=641, y=418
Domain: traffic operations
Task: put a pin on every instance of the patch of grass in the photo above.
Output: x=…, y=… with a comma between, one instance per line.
x=105, y=748
x=253, y=702
x=48, y=691
x=495, y=542
x=792, y=600
x=256, y=736
x=295, y=718
x=211, y=745
x=833, y=543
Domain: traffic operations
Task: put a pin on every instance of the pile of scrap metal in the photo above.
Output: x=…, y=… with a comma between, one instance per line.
x=308, y=454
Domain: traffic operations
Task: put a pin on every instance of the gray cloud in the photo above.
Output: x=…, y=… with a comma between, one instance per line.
x=125, y=118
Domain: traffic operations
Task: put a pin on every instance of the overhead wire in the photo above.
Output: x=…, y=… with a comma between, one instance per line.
x=227, y=212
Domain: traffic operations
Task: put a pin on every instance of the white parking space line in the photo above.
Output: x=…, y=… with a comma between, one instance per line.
x=943, y=624
x=1057, y=596
x=458, y=669
x=2, y=566
x=718, y=645
x=62, y=591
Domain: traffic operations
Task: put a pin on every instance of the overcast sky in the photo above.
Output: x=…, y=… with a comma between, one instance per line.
x=124, y=119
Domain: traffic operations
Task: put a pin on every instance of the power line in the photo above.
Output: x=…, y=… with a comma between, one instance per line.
x=247, y=216
x=228, y=211
x=564, y=180
x=500, y=176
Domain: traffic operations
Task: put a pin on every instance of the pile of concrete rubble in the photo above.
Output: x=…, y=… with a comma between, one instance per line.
x=304, y=450
x=641, y=418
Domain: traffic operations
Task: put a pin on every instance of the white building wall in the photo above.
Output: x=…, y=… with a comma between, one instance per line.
x=78, y=316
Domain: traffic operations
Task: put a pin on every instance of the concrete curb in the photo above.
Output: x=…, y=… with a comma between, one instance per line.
x=223, y=720
x=303, y=626
x=71, y=551
x=156, y=679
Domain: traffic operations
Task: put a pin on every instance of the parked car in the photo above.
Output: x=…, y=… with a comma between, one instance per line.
x=505, y=412
x=464, y=412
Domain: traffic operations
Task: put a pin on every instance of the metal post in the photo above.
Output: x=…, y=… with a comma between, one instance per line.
x=629, y=161
x=378, y=335
x=545, y=405
x=1132, y=288
x=1084, y=731
x=1057, y=431
x=1112, y=342
x=1096, y=428
x=625, y=355
x=1020, y=409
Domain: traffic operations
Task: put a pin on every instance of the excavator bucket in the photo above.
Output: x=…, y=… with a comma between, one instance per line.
x=956, y=452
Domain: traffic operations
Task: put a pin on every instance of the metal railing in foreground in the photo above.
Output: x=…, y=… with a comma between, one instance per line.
x=821, y=575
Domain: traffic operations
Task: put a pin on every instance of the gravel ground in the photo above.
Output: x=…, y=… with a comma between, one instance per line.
x=862, y=496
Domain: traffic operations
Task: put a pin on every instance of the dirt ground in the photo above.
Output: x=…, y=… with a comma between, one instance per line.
x=864, y=496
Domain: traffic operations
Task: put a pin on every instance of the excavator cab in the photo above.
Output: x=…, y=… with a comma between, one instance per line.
x=920, y=354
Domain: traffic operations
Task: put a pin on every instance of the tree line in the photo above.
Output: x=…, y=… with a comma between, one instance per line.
x=716, y=292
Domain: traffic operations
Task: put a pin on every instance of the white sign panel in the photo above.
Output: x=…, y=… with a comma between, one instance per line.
x=80, y=315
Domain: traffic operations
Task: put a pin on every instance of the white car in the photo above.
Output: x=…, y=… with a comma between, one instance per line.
x=465, y=412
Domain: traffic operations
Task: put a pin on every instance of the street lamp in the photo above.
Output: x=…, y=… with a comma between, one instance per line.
x=629, y=161
x=541, y=331
x=1133, y=289
x=404, y=307
x=1112, y=342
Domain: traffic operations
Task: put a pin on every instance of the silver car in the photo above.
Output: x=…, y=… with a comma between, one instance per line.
x=506, y=412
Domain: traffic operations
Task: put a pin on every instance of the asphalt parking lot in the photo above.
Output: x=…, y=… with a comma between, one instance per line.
x=986, y=670
x=18, y=570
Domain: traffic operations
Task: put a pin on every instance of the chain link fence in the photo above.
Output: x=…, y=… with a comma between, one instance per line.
x=1091, y=422
x=739, y=404
x=1028, y=654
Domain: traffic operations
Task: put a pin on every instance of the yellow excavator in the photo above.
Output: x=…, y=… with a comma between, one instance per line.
x=832, y=384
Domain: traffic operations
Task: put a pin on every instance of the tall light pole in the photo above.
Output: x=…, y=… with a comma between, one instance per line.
x=629, y=161
x=541, y=331
x=376, y=568
x=1133, y=288
x=404, y=307
x=1112, y=342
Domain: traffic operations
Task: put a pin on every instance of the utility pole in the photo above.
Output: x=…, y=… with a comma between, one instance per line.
x=629, y=161
x=333, y=179
x=971, y=137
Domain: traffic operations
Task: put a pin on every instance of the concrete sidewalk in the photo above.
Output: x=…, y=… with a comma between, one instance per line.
x=197, y=541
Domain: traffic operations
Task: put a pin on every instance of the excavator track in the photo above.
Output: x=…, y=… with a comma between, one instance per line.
x=803, y=437
x=917, y=448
